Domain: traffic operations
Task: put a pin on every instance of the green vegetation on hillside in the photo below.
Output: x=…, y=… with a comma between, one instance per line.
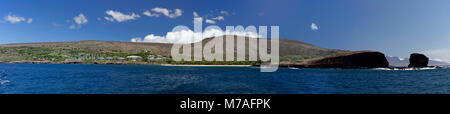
x=291, y=51
x=87, y=55
x=294, y=58
x=63, y=54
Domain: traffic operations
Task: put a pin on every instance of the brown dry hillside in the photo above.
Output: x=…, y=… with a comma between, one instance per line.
x=293, y=47
x=287, y=47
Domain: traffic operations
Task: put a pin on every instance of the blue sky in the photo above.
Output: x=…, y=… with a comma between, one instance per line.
x=395, y=27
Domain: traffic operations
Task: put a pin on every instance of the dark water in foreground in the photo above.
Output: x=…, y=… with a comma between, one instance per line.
x=139, y=79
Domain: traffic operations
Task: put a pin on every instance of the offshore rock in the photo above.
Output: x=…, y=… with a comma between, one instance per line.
x=418, y=60
x=361, y=59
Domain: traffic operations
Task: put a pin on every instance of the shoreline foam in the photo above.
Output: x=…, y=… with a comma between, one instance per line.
x=121, y=63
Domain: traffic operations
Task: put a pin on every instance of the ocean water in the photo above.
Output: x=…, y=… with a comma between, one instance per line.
x=142, y=79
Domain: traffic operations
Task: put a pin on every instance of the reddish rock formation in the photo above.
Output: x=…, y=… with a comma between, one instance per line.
x=418, y=60
x=361, y=59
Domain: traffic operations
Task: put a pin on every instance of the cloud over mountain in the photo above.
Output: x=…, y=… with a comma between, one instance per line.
x=188, y=36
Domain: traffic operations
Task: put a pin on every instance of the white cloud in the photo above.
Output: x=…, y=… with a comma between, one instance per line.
x=195, y=14
x=120, y=17
x=109, y=19
x=440, y=60
x=30, y=20
x=314, y=27
x=218, y=18
x=164, y=11
x=224, y=12
x=186, y=36
x=13, y=19
x=210, y=21
x=183, y=36
x=178, y=12
x=167, y=12
x=73, y=27
x=80, y=19
x=150, y=14
x=213, y=20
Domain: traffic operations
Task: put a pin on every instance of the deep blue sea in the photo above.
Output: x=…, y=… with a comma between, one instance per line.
x=144, y=79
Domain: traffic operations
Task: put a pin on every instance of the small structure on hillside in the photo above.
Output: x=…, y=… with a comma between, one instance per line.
x=109, y=58
x=121, y=59
x=156, y=58
x=100, y=58
x=134, y=58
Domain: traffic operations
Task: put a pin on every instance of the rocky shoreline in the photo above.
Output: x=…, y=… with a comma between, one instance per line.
x=364, y=60
x=116, y=63
x=80, y=62
x=358, y=60
x=410, y=68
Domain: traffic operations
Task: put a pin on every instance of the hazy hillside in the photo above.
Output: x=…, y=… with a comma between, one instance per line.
x=290, y=49
x=396, y=61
